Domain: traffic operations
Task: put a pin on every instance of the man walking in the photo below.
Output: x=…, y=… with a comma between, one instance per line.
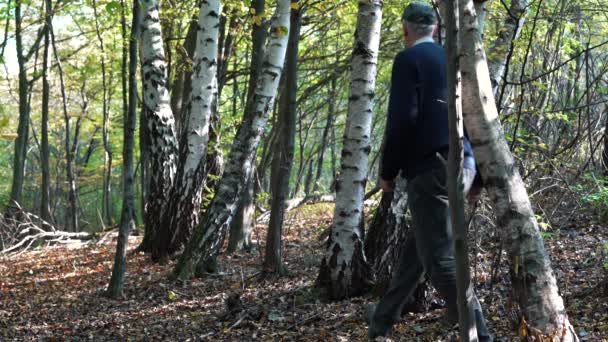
x=417, y=134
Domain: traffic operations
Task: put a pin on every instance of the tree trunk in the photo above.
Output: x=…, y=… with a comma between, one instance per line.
x=205, y=242
x=107, y=157
x=384, y=243
x=283, y=151
x=455, y=187
x=127, y=220
x=344, y=271
x=243, y=223
x=331, y=110
x=24, y=114
x=309, y=177
x=498, y=54
x=533, y=280
x=184, y=206
x=160, y=123
x=72, y=212
x=182, y=86
x=45, y=213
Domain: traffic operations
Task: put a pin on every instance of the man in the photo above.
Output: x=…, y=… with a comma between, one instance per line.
x=417, y=133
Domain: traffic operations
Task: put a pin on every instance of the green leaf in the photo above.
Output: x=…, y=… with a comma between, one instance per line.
x=172, y=296
x=113, y=7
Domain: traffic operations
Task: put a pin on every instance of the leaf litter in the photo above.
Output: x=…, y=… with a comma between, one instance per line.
x=56, y=294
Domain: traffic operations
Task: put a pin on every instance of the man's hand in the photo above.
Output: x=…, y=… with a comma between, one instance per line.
x=387, y=185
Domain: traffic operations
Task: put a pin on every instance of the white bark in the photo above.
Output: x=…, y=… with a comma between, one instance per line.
x=346, y=275
x=205, y=242
x=534, y=283
x=507, y=34
x=185, y=203
x=159, y=117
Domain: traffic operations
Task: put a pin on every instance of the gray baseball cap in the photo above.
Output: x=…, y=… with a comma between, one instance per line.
x=419, y=13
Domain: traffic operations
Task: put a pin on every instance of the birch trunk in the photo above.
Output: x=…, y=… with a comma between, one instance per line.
x=127, y=220
x=455, y=188
x=206, y=241
x=243, y=223
x=498, y=53
x=184, y=206
x=283, y=152
x=385, y=242
x=533, y=280
x=162, y=148
x=344, y=271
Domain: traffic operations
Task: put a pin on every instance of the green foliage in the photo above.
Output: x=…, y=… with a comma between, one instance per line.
x=593, y=192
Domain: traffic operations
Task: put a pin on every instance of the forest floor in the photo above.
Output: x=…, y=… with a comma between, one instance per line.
x=55, y=294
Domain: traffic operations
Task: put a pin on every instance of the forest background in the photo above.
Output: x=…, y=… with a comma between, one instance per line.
x=551, y=93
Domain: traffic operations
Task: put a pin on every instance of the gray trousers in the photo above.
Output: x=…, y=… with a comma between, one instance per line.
x=429, y=249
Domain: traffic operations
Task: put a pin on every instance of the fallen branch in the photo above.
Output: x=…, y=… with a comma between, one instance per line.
x=298, y=202
x=20, y=229
x=34, y=234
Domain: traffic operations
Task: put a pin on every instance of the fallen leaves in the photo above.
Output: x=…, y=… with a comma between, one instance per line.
x=57, y=294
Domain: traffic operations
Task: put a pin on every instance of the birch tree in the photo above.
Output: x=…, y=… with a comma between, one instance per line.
x=455, y=186
x=498, y=54
x=534, y=283
x=283, y=151
x=344, y=271
x=184, y=207
x=162, y=147
x=243, y=223
x=206, y=240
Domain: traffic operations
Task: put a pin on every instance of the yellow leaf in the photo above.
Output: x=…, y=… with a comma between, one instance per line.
x=281, y=31
x=252, y=11
x=172, y=296
x=523, y=329
x=9, y=136
x=257, y=20
x=295, y=5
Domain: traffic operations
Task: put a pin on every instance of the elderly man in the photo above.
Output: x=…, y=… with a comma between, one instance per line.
x=417, y=132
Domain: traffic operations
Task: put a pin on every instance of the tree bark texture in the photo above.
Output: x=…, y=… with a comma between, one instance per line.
x=455, y=186
x=205, y=243
x=533, y=280
x=162, y=147
x=498, y=54
x=385, y=241
x=283, y=151
x=184, y=205
x=243, y=223
x=24, y=113
x=45, y=213
x=127, y=220
x=344, y=270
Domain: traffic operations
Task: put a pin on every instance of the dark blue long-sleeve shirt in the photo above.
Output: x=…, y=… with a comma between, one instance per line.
x=417, y=123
